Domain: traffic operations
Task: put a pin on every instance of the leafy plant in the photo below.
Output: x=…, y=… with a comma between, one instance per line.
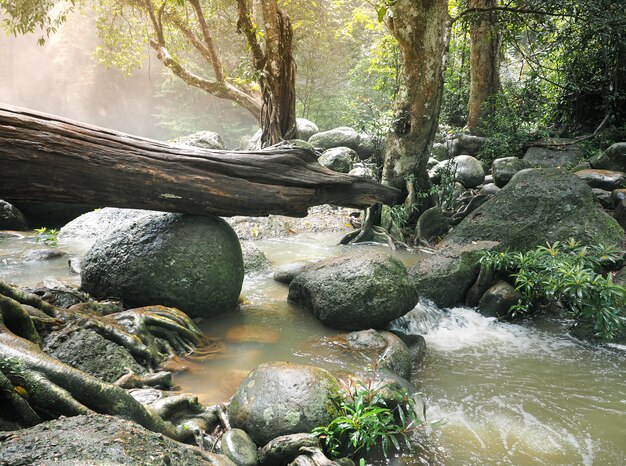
x=47, y=237
x=568, y=275
x=366, y=422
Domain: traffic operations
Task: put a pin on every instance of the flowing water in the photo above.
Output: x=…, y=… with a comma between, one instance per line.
x=510, y=394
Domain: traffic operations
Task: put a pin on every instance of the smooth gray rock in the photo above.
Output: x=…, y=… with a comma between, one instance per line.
x=287, y=272
x=40, y=255
x=239, y=447
x=363, y=172
x=614, y=158
x=387, y=349
x=557, y=157
x=466, y=144
x=338, y=159
x=498, y=299
x=284, y=449
x=619, y=214
x=503, y=169
x=338, y=137
x=281, y=398
x=102, y=222
x=355, y=292
x=306, y=128
x=467, y=171
x=536, y=206
x=11, y=218
x=603, y=197
x=254, y=259
x=369, y=145
x=618, y=195
x=603, y=179
x=203, y=139
x=489, y=189
x=189, y=262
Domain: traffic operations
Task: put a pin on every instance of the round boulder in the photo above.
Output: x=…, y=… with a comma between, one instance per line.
x=192, y=263
x=503, y=169
x=553, y=157
x=281, y=398
x=439, y=151
x=536, y=206
x=338, y=159
x=603, y=179
x=614, y=158
x=306, y=128
x=355, y=292
x=467, y=170
x=203, y=139
x=338, y=137
x=11, y=218
x=498, y=299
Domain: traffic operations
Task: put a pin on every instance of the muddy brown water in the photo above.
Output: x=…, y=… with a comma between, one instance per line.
x=509, y=394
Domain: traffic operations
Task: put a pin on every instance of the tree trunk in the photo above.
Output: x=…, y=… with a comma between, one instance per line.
x=43, y=157
x=422, y=30
x=485, y=41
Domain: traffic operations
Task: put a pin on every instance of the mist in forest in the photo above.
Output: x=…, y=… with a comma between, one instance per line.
x=63, y=78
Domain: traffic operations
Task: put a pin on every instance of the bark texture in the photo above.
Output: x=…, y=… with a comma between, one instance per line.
x=485, y=41
x=422, y=30
x=44, y=157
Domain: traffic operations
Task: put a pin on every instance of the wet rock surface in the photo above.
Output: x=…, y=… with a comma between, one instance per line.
x=11, y=218
x=281, y=398
x=98, y=439
x=355, y=292
x=189, y=262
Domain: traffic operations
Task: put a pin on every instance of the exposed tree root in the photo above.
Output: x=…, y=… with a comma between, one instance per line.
x=34, y=386
x=371, y=232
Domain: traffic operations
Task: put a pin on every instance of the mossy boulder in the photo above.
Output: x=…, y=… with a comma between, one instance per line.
x=503, y=169
x=306, y=128
x=337, y=137
x=189, y=262
x=338, y=159
x=355, y=292
x=536, y=206
x=281, y=398
x=97, y=439
x=446, y=276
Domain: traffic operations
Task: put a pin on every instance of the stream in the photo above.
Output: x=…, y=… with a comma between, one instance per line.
x=509, y=394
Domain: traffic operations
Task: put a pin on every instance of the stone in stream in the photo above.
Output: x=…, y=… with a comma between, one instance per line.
x=40, y=255
x=11, y=218
x=284, y=449
x=432, y=224
x=99, y=439
x=355, y=291
x=286, y=273
x=254, y=259
x=536, y=206
x=603, y=179
x=498, y=299
x=239, y=447
x=281, y=398
x=189, y=262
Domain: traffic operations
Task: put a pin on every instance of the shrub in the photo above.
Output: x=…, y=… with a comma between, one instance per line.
x=567, y=275
x=366, y=422
x=47, y=237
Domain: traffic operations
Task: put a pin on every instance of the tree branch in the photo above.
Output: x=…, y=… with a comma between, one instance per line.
x=247, y=27
x=214, y=59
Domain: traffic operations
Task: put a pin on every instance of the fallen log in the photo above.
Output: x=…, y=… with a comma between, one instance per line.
x=48, y=158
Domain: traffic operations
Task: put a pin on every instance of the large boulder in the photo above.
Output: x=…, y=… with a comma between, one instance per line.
x=369, y=145
x=355, y=292
x=498, y=299
x=306, y=128
x=281, y=398
x=338, y=159
x=538, y=205
x=466, y=144
x=192, y=263
x=98, y=439
x=11, y=218
x=203, y=139
x=614, y=158
x=101, y=222
x=553, y=157
x=503, y=169
x=447, y=275
x=338, y=137
x=467, y=170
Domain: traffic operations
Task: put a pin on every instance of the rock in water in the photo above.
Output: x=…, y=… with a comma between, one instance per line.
x=536, y=206
x=281, y=398
x=355, y=292
x=192, y=263
x=11, y=218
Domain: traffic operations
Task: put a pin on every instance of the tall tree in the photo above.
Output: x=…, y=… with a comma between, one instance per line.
x=485, y=42
x=185, y=35
x=422, y=31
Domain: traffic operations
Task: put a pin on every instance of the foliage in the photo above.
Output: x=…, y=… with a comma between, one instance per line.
x=366, y=422
x=568, y=275
x=31, y=16
x=47, y=237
